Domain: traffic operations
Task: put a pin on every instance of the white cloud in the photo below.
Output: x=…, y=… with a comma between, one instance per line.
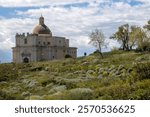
x=75, y=22
x=24, y=3
x=15, y=3
x=9, y=27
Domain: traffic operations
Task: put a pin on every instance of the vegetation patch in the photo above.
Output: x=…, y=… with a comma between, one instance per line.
x=118, y=75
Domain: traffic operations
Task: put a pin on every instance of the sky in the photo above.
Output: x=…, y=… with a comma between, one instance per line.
x=73, y=19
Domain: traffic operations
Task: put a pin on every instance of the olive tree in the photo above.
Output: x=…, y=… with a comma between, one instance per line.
x=97, y=39
x=139, y=37
x=147, y=26
x=134, y=36
x=122, y=36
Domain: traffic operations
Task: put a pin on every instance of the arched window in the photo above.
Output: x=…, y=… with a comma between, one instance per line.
x=25, y=41
x=48, y=43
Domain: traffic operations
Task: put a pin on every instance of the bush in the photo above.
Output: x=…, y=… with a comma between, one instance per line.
x=68, y=56
x=143, y=70
x=10, y=96
x=115, y=92
x=6, y=96
x=141, y=90
x=35, y=97
x=8, y=72
x=145, y=57
x=79, y=94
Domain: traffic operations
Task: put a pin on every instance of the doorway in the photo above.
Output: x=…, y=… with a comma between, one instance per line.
x=26, y=60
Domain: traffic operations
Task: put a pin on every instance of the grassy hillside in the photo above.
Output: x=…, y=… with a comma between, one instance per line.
x=119, y=75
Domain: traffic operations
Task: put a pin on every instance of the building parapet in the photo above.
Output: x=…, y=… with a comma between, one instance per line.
x=57, y=37
x=25, y=35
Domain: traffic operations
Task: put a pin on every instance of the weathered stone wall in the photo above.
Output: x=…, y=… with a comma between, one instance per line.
x=41, y=47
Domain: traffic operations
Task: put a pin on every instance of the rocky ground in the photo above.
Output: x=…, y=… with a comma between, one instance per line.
x=119, y=75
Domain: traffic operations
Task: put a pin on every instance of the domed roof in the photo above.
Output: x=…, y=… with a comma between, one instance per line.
x=41, y=28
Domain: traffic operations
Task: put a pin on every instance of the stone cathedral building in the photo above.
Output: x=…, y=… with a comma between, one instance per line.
x=41, y=46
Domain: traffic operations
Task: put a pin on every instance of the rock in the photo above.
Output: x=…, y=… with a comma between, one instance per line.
x=129, y=70
x=30, y=83
x=95, y=61
x=105, y=62
x=117, y=72
x=49, y=85
x=100, y=76
x=58, y=89
x=85, y=64
x=36, y=68
x=80, y=94
x=89, y=76
x=70, y=75
x=82, y=75
x=35, y=97
x=25, y=81
x=112, y=75
x=113, y=71
x=120, y=67
x=3, y=83
x=99, y=65
x=101, y=70
x=25, y=76
x=42, y=72
x=27, y=93
x=73, y=81
x=47, y=68
x=112, y=67
x=55, y=96
x=39, y=88
x=123, y=71
x=123, y=75
x=90, y=72
x=80, y=72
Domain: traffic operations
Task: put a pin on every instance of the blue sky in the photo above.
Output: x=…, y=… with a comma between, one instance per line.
x=74, y=19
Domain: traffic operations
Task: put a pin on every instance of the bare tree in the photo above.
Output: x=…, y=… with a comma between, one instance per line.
x=97, y=39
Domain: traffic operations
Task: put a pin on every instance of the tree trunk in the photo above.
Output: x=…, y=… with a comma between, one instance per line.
x=124, y=45
x=100, y=50
x=101, y=54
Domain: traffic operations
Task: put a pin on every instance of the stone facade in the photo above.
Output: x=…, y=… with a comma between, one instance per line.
x=41, y=46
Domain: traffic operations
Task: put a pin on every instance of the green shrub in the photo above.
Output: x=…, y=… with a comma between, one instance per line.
x=35, y=97
x=143, y=57
x=114, y=92
x=8, y=72
x=143, y=70
x=6, y=96
x=68, y=56
x=79, y=94
x=141, y=90
x=9, y=96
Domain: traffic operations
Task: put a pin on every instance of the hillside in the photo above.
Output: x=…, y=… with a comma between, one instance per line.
x=119, y=75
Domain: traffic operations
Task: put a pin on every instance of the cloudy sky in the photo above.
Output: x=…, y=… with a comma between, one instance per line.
x=73, y=19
